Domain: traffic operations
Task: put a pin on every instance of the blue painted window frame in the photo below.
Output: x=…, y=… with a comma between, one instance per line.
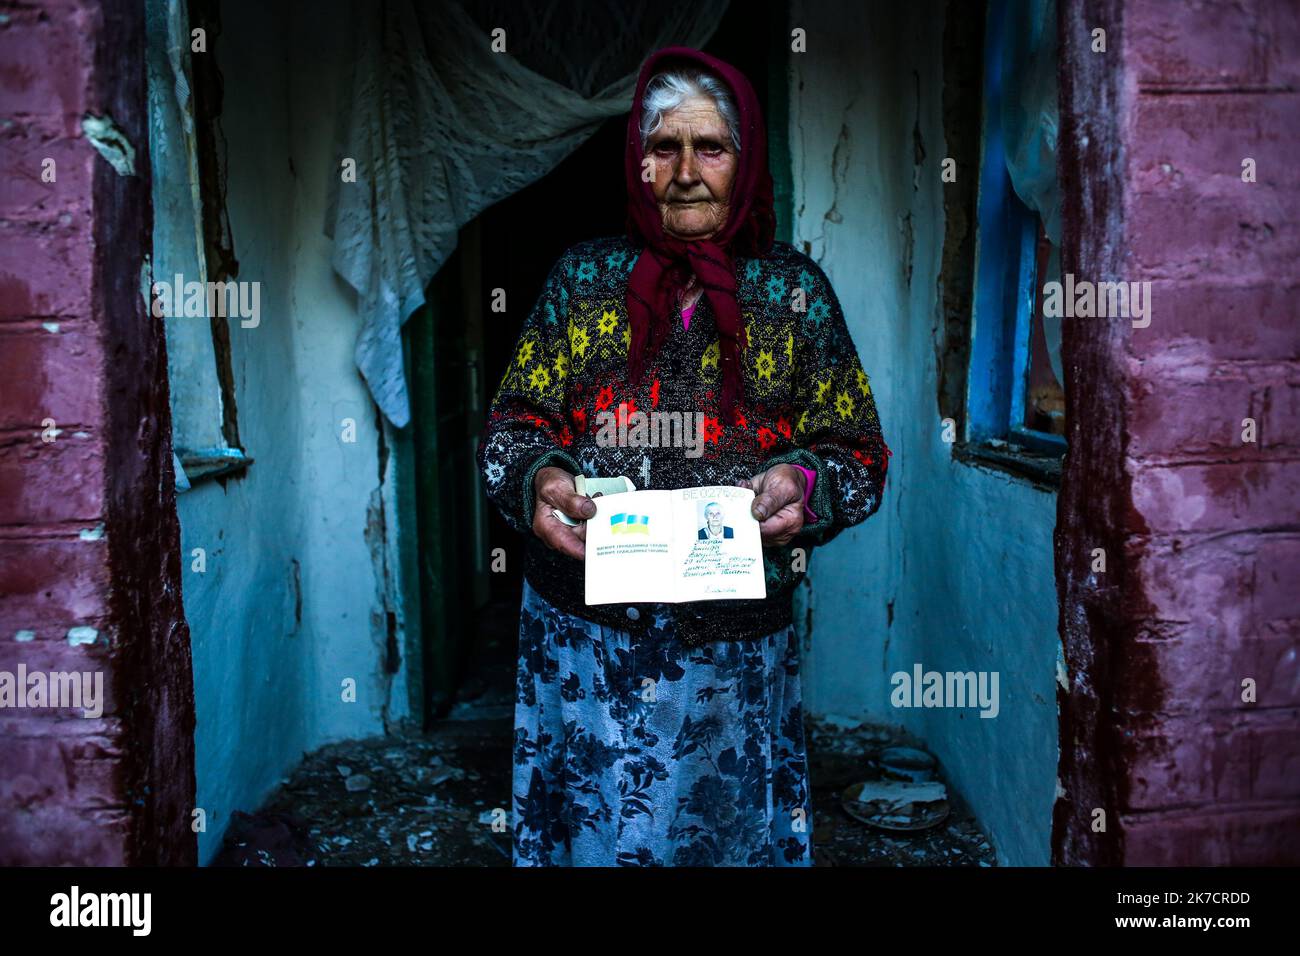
x=1006, y=279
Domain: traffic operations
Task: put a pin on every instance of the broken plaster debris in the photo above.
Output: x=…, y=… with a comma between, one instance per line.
x=844, y=752
x=907, y=763
x=898, y=805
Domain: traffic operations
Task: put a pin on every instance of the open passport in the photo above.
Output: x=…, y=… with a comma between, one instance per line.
x=687, y=544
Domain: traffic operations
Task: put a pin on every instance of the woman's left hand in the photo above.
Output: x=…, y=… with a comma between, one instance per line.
x=778, y=503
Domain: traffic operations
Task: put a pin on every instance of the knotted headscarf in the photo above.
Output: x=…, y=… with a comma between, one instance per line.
x=665, y=264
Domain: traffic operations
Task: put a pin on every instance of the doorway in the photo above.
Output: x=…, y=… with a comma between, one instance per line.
x=471, y=570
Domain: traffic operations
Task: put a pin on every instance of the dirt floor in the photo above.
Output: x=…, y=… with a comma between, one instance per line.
x=442, y=798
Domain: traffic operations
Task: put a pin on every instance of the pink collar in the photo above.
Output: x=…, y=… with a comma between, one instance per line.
x=686, y=314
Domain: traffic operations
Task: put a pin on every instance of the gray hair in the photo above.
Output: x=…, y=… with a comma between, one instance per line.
x=667, y=90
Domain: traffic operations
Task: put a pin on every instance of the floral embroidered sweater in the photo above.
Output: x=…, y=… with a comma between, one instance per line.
x=807, y=401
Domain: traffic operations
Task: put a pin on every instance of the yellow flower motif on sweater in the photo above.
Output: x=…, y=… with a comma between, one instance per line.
x=789, y=348
x=608, y=322
x=710, y=356
x=561, y=366
x=864, y=386
x=539, y=380
x=627, y=337
x=844, y=405
x=765, y=364
x=578, y=340
x=823, y=389
x=803, y=421
x=525, y=354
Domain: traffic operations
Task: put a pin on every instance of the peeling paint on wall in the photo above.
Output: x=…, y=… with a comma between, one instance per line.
x=82, y=635
x=110, y=142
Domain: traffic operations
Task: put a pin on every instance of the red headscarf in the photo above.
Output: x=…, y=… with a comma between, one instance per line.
x=664, y=266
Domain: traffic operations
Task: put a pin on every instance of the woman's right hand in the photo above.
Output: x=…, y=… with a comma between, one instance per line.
x=554, y=488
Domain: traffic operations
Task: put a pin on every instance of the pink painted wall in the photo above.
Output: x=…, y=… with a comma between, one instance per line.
x=89, y=547
x=1201, y=529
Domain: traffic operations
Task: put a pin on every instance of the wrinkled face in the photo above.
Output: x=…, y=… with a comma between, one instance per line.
x=694, y=168
x=713, y=515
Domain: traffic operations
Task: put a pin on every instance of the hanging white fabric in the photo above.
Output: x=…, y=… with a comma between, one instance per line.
x=1030, y=114
x=1030, y=120
x=439, y=127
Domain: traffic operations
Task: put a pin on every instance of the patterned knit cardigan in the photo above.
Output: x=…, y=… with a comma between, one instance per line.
x=806, y=401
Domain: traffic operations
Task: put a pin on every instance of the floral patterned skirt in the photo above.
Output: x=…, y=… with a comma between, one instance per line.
x=643, y=752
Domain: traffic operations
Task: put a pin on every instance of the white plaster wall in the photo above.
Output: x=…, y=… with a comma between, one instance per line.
x=267, y=685
x=348, y=501
x=956, y=569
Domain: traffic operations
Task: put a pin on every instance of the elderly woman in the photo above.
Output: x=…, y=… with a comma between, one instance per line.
x=670, y=735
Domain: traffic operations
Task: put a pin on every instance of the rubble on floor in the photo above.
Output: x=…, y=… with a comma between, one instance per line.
x=442, y=797
x=414, y=799
x=843, y=753
x=408, y=799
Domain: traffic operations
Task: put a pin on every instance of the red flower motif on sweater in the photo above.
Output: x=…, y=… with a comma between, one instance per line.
x=579, y=416
x=783, y=427
x=766, y=437
x=605, y=398
x=566, y=437
x=741, y=420
x=654, y=394
x=624, y=410
x=710, y=429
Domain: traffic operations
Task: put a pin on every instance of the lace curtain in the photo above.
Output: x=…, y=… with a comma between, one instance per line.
x=440, y=127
